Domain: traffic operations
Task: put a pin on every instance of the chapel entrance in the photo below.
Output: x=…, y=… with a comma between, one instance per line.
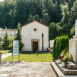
x=35, y=46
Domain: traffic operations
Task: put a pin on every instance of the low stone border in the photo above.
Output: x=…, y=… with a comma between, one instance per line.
x=65, y=70
x=5, y=63
x=56, y=70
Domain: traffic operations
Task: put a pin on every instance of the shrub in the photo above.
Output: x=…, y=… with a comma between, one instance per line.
x=20, y=46
x=6, y=42
x=65, y=51
x=18, y=37
x=65, y=59
x=10, y=46
x=60, y=44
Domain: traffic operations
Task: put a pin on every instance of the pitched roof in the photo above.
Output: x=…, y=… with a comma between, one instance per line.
x=32, y=22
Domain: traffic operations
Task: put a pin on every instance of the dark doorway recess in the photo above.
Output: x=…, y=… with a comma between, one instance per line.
x=35, y=46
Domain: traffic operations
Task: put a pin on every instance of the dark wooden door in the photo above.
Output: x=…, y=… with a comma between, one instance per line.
x=35, y=46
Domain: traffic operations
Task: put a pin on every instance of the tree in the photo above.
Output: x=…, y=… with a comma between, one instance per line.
x=6, y=42
x=31, y=18
x=66, y=1
x=58, y=12
x=65, y=23
x=73, y=14
x=36, y=17
x=55, y=30
x=18, y=37
x=70, y=4
x=51, y=10
x=46, y=19
x=54, y=1
x=72, y=31
x=46, y=11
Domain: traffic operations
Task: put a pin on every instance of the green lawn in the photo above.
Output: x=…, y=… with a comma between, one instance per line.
x=45, y=57
x=4, y=52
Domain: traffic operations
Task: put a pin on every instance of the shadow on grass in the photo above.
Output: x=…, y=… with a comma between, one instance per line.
x=40, y=52
x=10, y=51
x=30, y=52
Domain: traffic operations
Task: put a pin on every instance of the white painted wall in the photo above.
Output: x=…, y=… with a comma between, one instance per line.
x=75, y=27
x=73, y=48
x=51, y=43
x=29, y=34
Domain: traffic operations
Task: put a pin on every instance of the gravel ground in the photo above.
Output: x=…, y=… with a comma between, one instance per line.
x=28, y=69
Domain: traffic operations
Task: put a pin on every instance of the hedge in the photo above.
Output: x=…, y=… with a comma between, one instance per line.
x=60, y=44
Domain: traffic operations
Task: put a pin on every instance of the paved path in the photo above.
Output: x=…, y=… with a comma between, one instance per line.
x=6, y=55
x=28, y=69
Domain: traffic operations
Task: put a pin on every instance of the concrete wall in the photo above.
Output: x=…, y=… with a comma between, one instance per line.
x=11, y=33
x=29, y=34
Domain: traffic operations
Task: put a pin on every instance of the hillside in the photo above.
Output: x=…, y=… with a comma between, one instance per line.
x=60, y=15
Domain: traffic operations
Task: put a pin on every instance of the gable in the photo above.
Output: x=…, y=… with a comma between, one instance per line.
x=35, y=22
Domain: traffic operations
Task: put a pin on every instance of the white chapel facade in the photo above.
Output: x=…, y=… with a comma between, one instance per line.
x=35, y=36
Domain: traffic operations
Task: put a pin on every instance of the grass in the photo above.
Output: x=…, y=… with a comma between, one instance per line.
x=45, y=57
x=4, y=52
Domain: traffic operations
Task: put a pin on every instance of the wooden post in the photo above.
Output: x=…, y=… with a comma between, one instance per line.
x=19, y=54
x=0, y=57
x=42, y=42
x=12, y=50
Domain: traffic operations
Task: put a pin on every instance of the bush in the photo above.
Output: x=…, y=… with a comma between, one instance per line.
x=60, y=44
x=20, y=46
x=65, y=52
x=10, y=46
x=6, y=41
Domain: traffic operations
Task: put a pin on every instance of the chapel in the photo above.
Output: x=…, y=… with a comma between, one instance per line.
x=35, y=36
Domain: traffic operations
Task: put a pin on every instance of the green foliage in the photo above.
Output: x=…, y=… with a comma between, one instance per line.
x=49, y=44
x=55, y=30
x=31, y=18
x=65, y=51
x=4, y=52
x=47, y=57
x=60, y=44
x=72, y=31
x=65, y=59
x=63, y=12
x=6, y=42
x=18, y=37
x=46, y=19
x=10, y=46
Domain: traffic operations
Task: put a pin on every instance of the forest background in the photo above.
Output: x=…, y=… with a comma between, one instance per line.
x=59, y=15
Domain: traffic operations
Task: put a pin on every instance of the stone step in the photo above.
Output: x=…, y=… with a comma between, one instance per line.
x=65, y=70
x=71, y=65
x=59, y=72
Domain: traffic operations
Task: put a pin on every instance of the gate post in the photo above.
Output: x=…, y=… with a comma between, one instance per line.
x=0, y=57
